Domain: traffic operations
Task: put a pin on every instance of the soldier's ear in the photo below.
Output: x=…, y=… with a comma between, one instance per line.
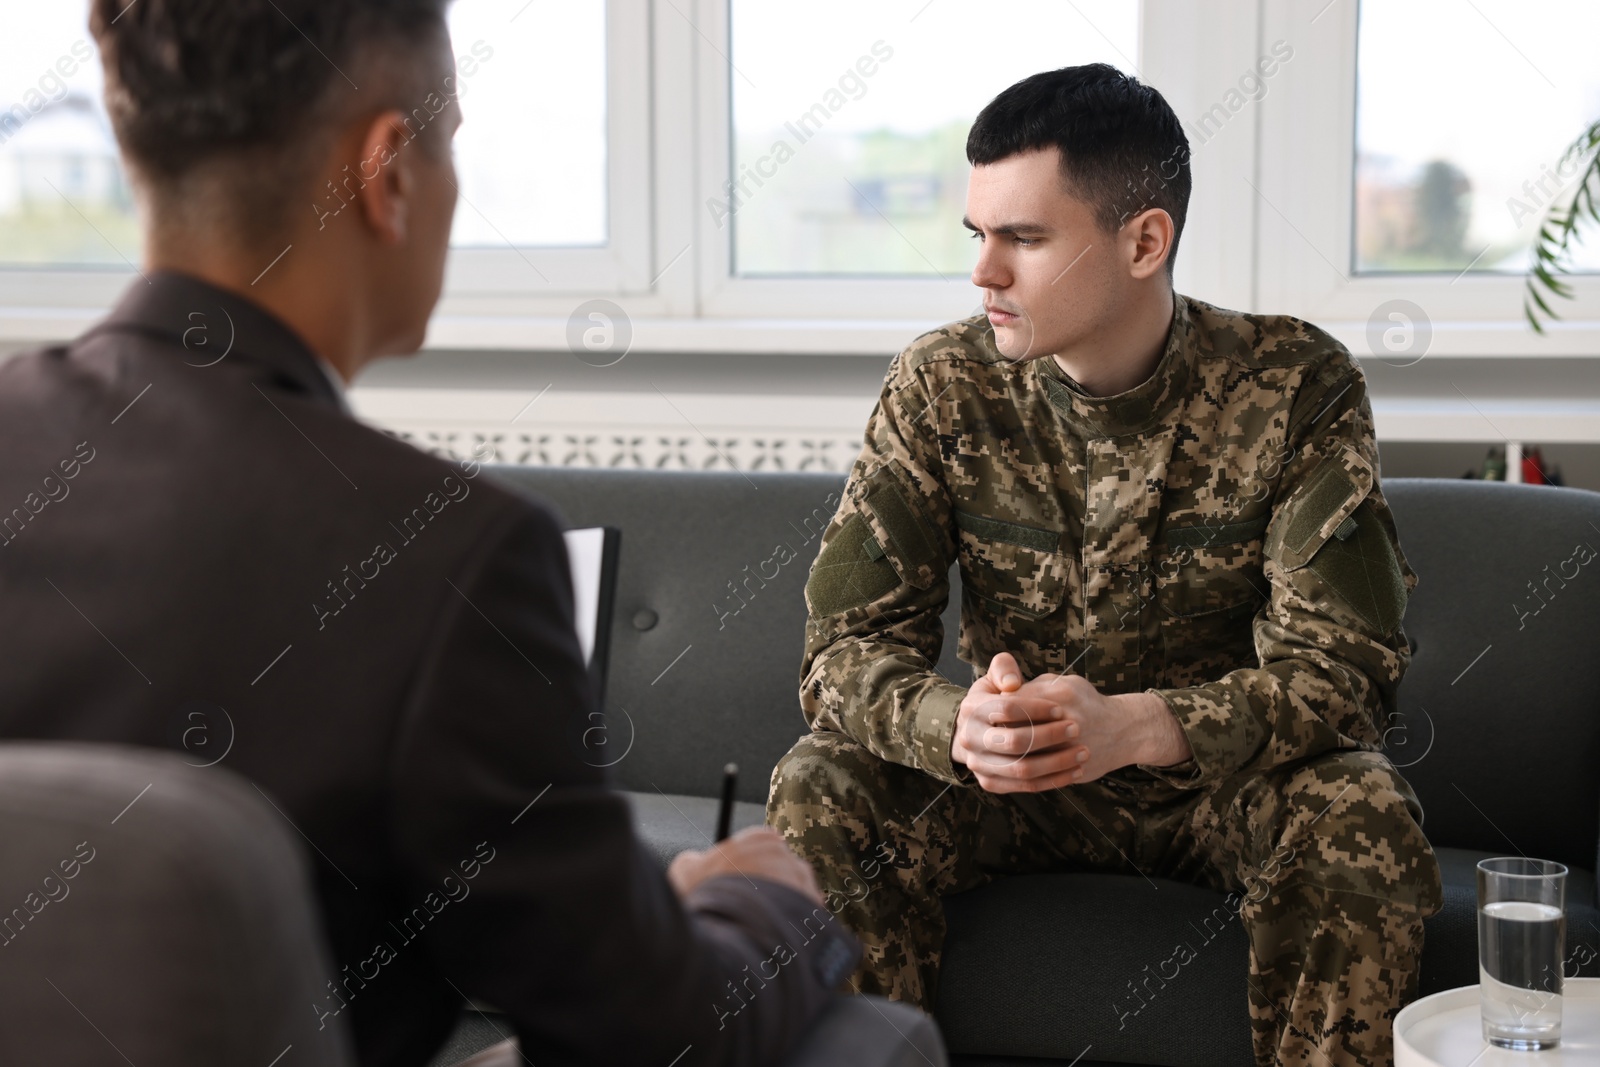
x=1146, y=242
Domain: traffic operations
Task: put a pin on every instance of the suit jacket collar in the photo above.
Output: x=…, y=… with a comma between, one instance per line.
x=212, y=324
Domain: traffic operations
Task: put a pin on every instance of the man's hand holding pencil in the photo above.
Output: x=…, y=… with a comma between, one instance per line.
x=754, y=852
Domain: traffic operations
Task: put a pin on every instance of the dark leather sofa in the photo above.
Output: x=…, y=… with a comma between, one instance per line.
x=1498, y=729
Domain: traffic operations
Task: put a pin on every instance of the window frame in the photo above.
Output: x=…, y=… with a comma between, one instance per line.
x=528, y=276
x=1307, y=219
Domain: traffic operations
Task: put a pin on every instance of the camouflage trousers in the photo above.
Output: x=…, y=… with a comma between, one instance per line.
x=1332, y=874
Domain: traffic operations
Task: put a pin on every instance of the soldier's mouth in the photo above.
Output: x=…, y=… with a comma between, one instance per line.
x=1000, y=317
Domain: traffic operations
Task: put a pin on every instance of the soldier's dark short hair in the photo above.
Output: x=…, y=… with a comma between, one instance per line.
x=1123, y=149
x=194, y=84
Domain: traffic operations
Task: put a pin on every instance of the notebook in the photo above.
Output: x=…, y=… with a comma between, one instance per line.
x=592, y=554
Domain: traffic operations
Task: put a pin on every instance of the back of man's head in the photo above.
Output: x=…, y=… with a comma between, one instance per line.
x=225, y=111
x=1122, y=147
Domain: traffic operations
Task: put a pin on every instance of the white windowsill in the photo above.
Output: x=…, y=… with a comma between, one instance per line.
x=822, y=337
x=1398, y=419
x=887, y=336
x=1552, y=421
x=831, y=337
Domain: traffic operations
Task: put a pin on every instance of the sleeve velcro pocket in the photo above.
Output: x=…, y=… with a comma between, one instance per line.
x=1313, y=512
x=883, y=543
x=850, y=572
x=1332, y=529
x=902, y=532
x=1362, y=570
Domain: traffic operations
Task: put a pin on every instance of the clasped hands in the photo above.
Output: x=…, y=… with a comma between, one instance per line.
x=1057, y=730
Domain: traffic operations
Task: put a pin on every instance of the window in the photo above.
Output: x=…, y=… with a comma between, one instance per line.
x=531, y=153
x=554, y=155
x=739, y=175
x=1388, y=150
x=850, y=123
x=834, y=185
x=1463, y=113
x=63, y=198
x=552, y=161
x=65, y=202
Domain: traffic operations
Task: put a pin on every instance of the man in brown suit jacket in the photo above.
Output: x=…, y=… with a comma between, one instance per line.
x=196, y=536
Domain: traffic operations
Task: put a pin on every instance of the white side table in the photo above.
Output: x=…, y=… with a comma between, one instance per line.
x=1446, y=1030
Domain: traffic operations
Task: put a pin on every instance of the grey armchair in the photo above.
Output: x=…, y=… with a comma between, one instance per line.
x=153, y=913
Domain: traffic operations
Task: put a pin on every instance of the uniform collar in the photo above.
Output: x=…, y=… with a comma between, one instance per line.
x=213, y=325
x=1135, y=410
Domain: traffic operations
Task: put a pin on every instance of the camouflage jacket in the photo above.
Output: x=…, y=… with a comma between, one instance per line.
x=1215, y=535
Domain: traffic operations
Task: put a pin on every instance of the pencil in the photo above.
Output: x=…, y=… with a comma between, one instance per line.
x=730, y=777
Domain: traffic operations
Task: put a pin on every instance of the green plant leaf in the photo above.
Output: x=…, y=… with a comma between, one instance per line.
x=1559, y=228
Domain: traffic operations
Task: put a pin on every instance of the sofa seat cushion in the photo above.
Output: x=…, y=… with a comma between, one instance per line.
x=1051, y=965
x=1047, y=965
x=674, y=823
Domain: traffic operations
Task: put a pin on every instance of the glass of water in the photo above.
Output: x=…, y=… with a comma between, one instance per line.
x=1522, y=929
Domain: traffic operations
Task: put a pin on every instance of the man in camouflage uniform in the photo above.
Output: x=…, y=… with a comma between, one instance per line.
x=1182, y=594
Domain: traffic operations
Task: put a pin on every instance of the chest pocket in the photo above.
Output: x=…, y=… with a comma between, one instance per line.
x=1016, y=568
x=1207, y=568
x=1209, y=586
